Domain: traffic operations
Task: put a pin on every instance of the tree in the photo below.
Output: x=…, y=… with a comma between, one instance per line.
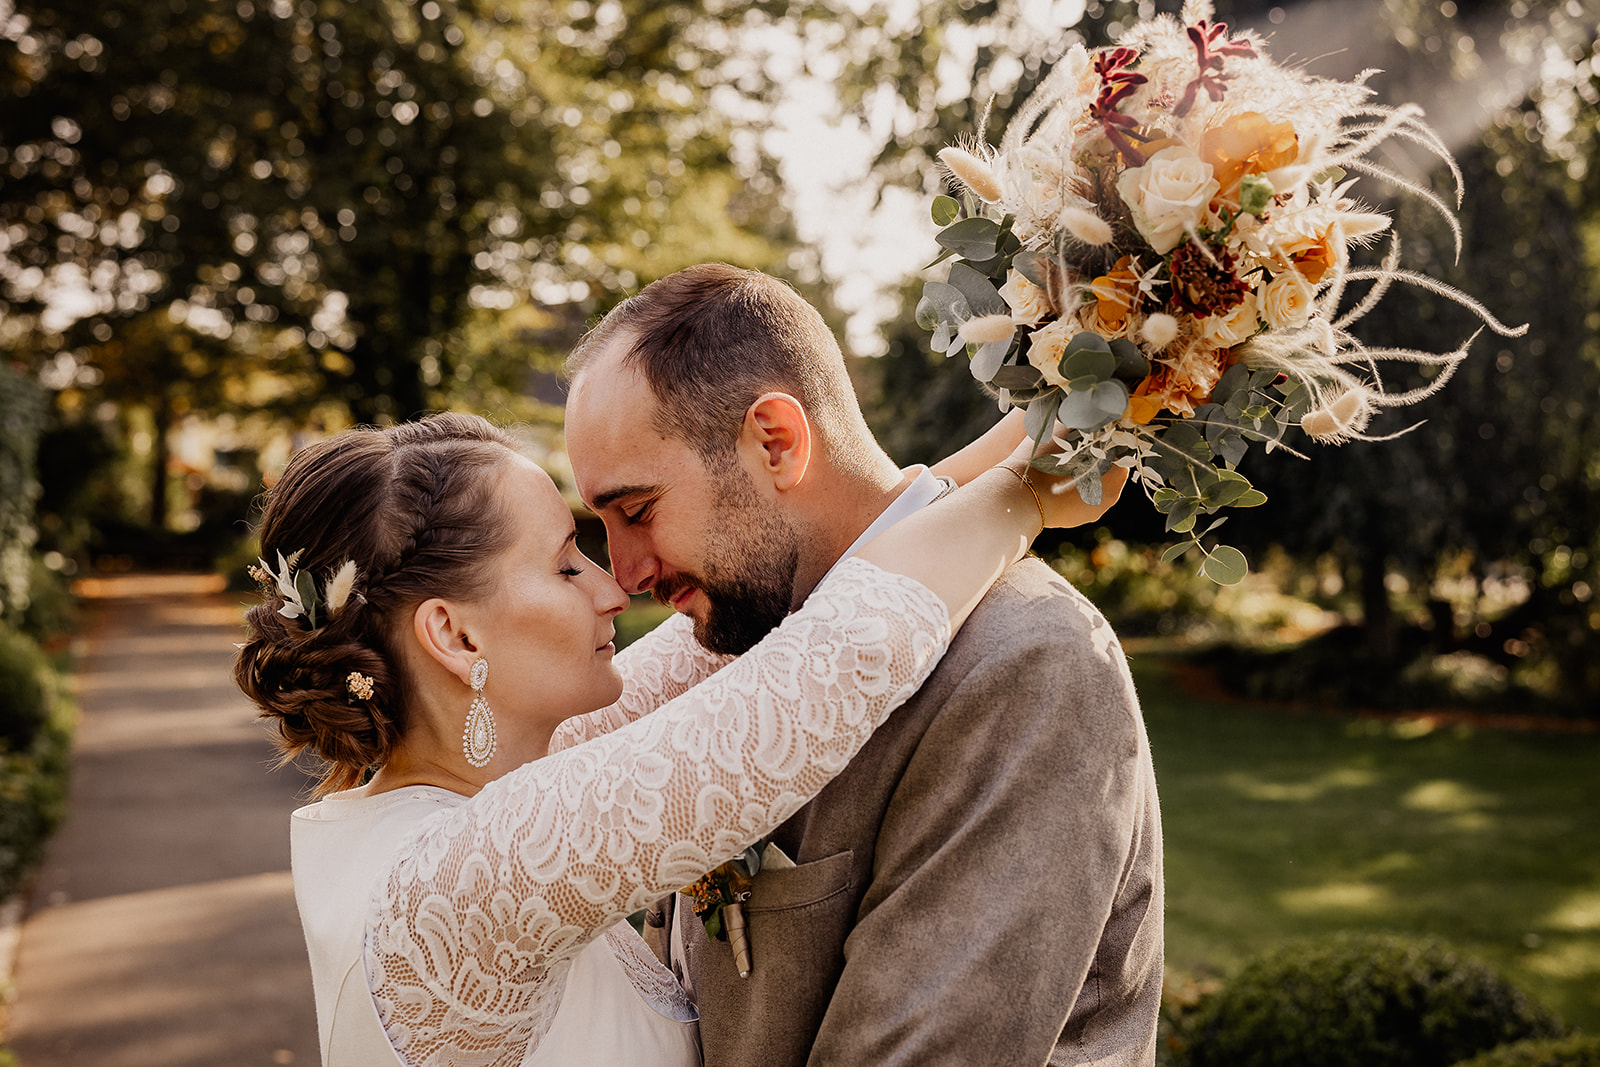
x=294, y=204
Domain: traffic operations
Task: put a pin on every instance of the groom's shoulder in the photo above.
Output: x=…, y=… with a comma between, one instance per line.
x=1031, y=603
x=1036, y=625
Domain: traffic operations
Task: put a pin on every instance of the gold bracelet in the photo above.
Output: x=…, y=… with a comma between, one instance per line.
x=1023, y=478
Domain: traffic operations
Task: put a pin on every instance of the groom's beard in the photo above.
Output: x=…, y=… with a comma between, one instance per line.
x=747, y=575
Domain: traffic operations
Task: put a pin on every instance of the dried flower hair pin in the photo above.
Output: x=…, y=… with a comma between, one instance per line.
x=359, y=685
x=299, y=591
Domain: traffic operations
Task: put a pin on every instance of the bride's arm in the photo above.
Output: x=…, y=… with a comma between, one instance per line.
x=992, y=448
x=466, y=947
x=662, y=664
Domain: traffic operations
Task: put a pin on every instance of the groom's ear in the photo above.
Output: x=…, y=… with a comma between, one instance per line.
x=776, y=425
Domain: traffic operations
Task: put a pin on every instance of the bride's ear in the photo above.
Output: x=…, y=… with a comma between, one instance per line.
x=776, y=425
x=440, y=629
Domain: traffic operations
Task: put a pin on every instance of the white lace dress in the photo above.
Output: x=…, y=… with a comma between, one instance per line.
x=485, y=931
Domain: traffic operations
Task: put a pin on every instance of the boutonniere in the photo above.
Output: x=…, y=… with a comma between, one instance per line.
x=718, y=897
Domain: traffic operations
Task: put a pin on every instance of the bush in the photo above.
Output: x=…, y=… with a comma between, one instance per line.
x=27, y=691
x=1362, y=1002
x=35, y=745
x=1579, y=1050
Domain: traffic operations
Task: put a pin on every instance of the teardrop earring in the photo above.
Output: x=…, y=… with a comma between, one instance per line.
x=478, y=741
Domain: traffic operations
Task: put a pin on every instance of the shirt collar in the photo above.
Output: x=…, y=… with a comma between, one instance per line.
x=923, y=490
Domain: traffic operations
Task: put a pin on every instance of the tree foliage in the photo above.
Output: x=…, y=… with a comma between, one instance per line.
x=294, y=204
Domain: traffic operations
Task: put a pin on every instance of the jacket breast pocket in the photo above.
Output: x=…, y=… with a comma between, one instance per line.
x=797, y=919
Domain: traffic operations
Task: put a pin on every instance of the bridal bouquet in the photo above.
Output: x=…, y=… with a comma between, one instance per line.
x=1154, y=264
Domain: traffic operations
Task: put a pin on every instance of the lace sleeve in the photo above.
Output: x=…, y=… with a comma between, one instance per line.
x=476, y=926
x=662, y=664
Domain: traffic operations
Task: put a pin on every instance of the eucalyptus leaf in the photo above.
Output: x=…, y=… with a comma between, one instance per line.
x=943, y=339
x=1132, y=366
x=927, y=313
x=1164, y=498
x=987, y=360
x=1224, y=491
x=1036, y=420
x=1095, y=364
x=1178, y=551
x=1181, y=518
x=1233, y=379
x=973, y=239
x=945, y=210
x=1079, y=411
x=948, y=301
x=1251, y=499
x=1032, y=266
x=1231, y=446
x=982, y=297
x=1225, y=565
x=1015, y=377
x=1110, y=398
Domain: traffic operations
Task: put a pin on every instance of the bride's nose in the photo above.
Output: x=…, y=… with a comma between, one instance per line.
x=609, y=597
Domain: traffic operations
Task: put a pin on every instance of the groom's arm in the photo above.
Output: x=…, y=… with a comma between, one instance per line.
x=1017, y=872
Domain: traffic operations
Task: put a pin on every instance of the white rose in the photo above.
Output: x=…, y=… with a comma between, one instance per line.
x=1234, y=328
x=1168, y=196
x=1029, y=304
x=1286, y=301
x=1046, y=346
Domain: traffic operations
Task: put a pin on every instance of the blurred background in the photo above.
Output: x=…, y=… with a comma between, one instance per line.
x=229, y=228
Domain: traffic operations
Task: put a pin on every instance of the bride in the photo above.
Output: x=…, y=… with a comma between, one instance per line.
x=503, y=788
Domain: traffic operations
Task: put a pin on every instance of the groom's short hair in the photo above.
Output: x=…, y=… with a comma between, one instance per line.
x=712, y=338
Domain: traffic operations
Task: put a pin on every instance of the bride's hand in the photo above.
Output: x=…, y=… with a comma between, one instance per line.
x=1058, y=499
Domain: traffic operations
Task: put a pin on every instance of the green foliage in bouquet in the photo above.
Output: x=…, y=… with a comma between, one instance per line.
x=1359, y=1002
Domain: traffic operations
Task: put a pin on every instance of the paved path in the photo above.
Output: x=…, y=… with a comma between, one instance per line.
x=162, y=930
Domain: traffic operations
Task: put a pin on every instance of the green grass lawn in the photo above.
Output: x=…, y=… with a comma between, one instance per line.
x=1281, y=824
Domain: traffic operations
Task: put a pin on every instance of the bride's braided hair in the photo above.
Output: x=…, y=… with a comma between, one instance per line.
x=413, y=506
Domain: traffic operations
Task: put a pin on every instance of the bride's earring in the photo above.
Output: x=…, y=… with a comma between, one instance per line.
x=477, y=740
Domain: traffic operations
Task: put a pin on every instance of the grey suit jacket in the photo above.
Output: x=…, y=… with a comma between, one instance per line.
x=981, y=885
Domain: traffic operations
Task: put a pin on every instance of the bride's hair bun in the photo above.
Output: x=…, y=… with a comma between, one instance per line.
x=413, y=506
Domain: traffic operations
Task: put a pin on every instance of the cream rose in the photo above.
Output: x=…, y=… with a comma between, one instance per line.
x=1029, y=304
x=1286, y=301
x=1234, y=328
x=1168, y=196
x=1046, y=347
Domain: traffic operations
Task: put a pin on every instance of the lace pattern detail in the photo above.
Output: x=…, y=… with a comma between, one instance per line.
x=664, y=663
x=655, y=984
x=474, y=930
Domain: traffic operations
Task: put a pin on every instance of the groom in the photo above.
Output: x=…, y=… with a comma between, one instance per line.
x=982, y=884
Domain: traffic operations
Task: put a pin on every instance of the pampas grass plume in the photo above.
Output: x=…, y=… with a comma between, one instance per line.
x=1086, y=226
x=987, y=329
x=339, y=586
x=974, y=173
x=1159, y=329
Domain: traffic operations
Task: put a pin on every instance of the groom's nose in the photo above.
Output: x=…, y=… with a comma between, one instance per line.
x=632, y=565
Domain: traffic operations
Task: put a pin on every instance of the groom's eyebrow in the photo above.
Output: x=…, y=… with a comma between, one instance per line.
x=611, y=496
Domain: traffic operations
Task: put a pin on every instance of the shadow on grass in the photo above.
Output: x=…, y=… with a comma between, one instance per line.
x=1281, y=824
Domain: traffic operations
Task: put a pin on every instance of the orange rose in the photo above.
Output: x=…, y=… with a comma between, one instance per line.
x=1142, y=407
x=1114, y=294
x=1248, y=143
x=1314, y=254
